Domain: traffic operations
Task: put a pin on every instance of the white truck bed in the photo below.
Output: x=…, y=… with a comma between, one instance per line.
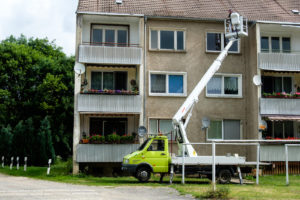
x=207, y=160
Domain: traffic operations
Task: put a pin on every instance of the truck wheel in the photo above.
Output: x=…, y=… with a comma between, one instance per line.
x=143, y=174
x=224, y=176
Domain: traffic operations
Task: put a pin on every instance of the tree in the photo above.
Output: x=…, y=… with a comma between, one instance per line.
x=37, y=81
x=5, y=138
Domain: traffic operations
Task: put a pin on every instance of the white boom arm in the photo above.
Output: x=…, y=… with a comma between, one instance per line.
x=192, y=99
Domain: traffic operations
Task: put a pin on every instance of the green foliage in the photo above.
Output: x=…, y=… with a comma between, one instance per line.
x=97, y=139
x=127, y=139
x=220, y=193
x=6, y=139
x=113, y=138
x=37, y=81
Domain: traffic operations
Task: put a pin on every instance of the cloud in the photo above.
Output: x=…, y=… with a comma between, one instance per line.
x=54, y=19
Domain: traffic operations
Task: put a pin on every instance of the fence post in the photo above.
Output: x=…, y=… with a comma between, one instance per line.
x=214, y=165
x=257, y=163
x=48, y=170
x=286, y=164
x=183, y=155
x=18, y=163
x=25, y=164
x=12, y=162
x=2, y=161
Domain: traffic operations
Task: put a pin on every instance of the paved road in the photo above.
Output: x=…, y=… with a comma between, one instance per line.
x=21, y=188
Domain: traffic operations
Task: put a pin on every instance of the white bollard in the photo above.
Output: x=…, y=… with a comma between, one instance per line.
x=48, y=170
x=11, y=163
x=2, y=161
x=25, y=164
x=18, y=163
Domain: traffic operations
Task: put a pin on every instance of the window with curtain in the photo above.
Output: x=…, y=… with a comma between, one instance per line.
x=216, y=42
x=224, y=130
x=163, y=126
x=224, y=86
x=272, y=84
x=167, y=40
x=167, y=84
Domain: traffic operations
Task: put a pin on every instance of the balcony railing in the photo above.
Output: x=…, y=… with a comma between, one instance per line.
x=109, y=103
x=279, y=61
x=110, y=53
x=103, y=152
x=279, y=106
x=277, y=153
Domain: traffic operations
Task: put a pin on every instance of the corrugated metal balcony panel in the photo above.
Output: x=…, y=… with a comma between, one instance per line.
x=103, y=152
x=277, y=153
x=277, y=106
x=109, y=103
x=279, y=61
x=110, y=55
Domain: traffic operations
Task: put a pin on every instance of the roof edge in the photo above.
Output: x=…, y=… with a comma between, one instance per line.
x=278, y=22
x=112, y=14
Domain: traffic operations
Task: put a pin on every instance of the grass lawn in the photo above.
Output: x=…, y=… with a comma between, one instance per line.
x=271, y=187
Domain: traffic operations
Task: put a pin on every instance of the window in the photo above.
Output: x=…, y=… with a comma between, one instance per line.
x=110, y=35
x=272, y=84
x=224, y=130
x=216, y=42
x=279, y=129
x=157, y=145
x=109, y=80
x=163, y=126
x=223, y=85
x=275, y=44
x=107, y=126
x=167, y=40
x=167, y=84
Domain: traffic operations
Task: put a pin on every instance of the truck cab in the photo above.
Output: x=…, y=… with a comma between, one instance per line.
x=151, y=157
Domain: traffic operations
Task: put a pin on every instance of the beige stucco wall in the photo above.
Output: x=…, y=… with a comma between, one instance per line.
x=195, y=61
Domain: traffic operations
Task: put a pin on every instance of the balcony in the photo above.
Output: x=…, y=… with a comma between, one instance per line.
x=110, y=103
x=279, y=61
x=96, y=54
x=279, y=106
x=103, y=152
x=273, y=153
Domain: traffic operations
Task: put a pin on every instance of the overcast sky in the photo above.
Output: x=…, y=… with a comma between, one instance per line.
x=54, y=19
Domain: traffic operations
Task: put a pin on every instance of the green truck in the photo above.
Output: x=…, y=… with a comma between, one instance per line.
x=153, y=157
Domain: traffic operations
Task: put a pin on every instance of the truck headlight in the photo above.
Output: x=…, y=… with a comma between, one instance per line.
x=126, y=161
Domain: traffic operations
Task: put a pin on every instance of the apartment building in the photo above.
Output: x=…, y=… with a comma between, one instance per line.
x=143, y=58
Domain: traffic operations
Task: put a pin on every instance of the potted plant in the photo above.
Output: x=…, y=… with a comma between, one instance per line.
x=85, y=139
x=97, y=139
x=113, y=138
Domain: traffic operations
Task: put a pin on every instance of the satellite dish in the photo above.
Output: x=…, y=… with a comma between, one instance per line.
x=263, y=126
x=142, y=131
x=79, y=68
x=257, y=80
x=205, y=122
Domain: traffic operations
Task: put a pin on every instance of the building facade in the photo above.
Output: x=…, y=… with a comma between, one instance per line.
x=142, y=60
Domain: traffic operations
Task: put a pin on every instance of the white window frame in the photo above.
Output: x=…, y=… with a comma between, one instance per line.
x=107, y=27
x=175, y=39
x=222, y=120
x=157, y=120
x=223, y=95
x=184, y=74
x=222, y=43
x=270, y=43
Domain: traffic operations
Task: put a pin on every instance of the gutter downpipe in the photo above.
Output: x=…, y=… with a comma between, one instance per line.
x=145, y=72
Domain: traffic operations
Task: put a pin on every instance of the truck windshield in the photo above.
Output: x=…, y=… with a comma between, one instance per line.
x=144, y=144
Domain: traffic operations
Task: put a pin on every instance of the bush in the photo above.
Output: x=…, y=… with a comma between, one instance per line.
x=113, y=138
x=220, y=193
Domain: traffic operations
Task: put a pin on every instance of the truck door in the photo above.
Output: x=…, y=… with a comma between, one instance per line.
x=157, y=155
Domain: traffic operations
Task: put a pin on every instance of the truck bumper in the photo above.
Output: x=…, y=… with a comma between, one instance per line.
x=129, y=168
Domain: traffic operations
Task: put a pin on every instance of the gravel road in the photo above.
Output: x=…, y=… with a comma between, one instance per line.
x=22, y=188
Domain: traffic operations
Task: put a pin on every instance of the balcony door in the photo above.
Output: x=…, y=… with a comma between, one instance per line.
x=109, y=80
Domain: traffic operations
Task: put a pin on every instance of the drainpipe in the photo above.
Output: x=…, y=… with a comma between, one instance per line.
x=145, y=72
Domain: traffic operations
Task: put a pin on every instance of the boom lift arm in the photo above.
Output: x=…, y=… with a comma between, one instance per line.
x=236, y=29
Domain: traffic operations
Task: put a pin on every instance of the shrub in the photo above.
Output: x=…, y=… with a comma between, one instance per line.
x=113, y=138
x=220, y=193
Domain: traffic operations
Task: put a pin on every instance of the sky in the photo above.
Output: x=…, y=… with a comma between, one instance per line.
x=54, y=19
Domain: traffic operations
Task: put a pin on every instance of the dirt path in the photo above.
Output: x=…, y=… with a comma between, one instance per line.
x=22, y=188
